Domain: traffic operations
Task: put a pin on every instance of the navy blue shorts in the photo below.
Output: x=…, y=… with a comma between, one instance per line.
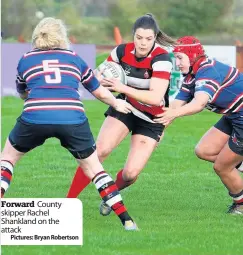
x=76, y=138
x=232, y=125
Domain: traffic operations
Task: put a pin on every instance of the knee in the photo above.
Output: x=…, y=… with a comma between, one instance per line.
x=103, y=151
x=218, y=168
x=200, y=152
x=130, y=174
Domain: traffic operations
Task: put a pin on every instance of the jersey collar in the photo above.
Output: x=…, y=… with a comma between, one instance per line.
x=197, y=65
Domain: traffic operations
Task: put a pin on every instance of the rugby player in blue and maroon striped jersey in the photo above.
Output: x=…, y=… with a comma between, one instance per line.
x=48, y=78
x=217, y=87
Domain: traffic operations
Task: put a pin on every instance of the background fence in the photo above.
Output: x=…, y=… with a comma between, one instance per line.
x=239, y=55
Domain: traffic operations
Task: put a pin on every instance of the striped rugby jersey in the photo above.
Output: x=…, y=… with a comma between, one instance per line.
x=139, y=71
x=52, y=78
x=223, y=84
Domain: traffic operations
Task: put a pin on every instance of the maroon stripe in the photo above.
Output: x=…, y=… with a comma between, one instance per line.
x=55, y=108
x=153, y=110
x=57, y=99
x=221, y=88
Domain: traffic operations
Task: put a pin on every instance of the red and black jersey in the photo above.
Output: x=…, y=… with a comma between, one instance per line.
x=139, y=71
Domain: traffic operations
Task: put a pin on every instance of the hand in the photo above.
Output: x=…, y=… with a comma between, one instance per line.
x=112, y=84
x=166, y=117
x=123, y=106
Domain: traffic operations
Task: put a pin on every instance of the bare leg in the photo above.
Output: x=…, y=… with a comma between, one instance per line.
x=211, y=144
x=224, y=166
x=9, y=157
x=107, y=189
x=110, y=136
x=139, y=154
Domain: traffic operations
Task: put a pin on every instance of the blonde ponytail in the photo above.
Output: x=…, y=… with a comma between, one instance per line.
x=50, y=33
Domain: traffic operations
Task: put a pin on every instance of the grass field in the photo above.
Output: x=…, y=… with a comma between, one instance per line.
x=178, y=202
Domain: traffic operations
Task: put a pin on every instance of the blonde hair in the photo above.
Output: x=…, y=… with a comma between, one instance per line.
x=50, y=33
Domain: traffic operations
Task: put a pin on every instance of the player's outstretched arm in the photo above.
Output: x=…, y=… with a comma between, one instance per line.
x=196, y=105
x=176, y=103
x=107, y=97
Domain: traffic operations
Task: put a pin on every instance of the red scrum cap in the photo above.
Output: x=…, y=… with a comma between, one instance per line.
x=190, y=46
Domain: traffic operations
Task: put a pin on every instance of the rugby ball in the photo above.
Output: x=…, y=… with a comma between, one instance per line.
x=112, y=70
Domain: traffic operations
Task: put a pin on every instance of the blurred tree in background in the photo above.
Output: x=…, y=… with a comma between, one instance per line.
x=175, y=17
x=19, y=17
x=92, y=21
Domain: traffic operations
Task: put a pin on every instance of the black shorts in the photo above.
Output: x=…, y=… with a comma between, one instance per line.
x=137, y=125
x=232, y=125
x=76, y=138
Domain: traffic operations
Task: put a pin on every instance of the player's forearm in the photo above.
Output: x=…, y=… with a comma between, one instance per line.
x=190, y=108
x=177, y=103
x=144, y=96
x=105, y=96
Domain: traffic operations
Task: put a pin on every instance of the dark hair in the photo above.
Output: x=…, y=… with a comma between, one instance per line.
x=148, y=21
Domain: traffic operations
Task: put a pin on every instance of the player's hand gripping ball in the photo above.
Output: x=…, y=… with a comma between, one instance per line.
x=110, y=69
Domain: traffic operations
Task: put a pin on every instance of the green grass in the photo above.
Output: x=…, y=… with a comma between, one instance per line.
x=101, y=58
x=178, y=202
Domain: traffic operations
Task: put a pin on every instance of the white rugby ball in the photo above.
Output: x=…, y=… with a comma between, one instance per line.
x=112, y=70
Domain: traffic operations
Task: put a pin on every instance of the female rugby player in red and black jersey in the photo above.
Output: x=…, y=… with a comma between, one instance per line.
x=148, y=66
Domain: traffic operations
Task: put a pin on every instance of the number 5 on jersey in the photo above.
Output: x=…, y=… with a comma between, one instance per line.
x=48, y=68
